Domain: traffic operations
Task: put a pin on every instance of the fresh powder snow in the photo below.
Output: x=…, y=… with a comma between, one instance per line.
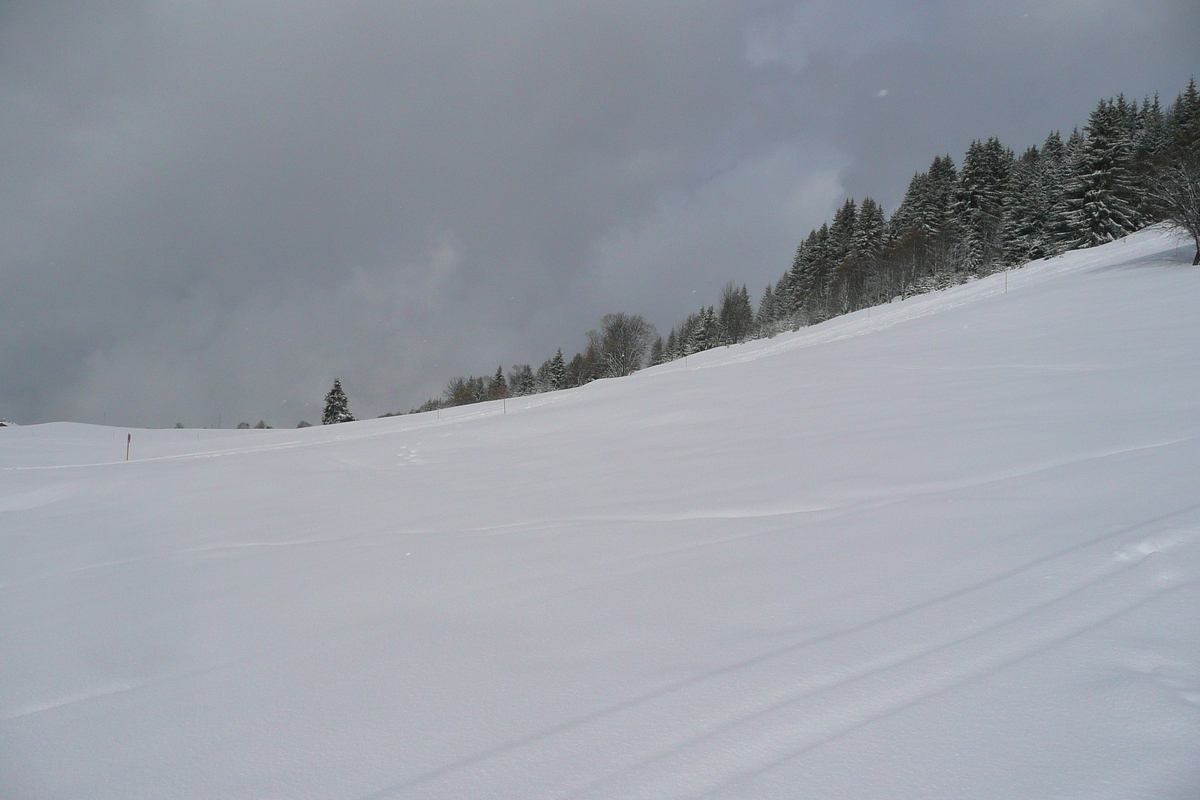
x=949, y=548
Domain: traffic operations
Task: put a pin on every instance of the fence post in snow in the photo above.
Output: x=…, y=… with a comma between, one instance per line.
x=128, y=440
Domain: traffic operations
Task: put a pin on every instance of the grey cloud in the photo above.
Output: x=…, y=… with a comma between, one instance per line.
x=840, y=33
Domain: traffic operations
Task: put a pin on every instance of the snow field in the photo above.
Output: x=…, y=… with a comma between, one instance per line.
x=950, y=549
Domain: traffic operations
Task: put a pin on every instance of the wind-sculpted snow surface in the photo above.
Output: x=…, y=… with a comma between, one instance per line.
x=947, y=550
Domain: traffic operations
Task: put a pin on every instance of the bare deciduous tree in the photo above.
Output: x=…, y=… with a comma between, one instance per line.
x=1177, y=192
x=621, y=343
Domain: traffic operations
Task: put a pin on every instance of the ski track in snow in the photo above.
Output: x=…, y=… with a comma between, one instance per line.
x=753, y=736
x=100, y=691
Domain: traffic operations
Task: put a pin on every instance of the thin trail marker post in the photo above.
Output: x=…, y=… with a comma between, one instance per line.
x=128, y=440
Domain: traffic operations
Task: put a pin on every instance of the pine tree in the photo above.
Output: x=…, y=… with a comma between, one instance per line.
x=1102, y=196
x=841, y=231
x=337, y=406
x=1063, y=223
x=765, y=317
x=937, y=218
x=1025, y=210
x=811, y=285
x=458, y=392
x=697, y=339
x=1054, y=175
x=921, y=234
x=1151, y=142
x=583, y=368
x=671, y=348
x=520, y=380
x=736, y=316
x=861, y=268
x=558, y=370
x=480, y=389
x=657, y=349
x=979, y=202
x=1183, y=124
x=700, y=331
x=498, y=386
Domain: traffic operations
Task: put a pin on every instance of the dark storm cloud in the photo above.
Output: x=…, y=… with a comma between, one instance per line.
x=212, y=209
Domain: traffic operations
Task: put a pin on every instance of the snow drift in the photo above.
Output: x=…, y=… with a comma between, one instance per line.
x=946, y=549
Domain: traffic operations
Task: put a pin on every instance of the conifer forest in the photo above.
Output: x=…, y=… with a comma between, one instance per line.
x=1130, y=166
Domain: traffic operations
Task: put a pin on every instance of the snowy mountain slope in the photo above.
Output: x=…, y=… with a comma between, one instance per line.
x=949, y=549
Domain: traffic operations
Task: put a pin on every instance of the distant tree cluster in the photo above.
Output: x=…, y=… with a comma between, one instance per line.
x=617, y=348
x=731, y=321
x=1130, y=166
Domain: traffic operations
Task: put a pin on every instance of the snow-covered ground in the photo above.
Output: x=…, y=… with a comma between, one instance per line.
x=947, y=550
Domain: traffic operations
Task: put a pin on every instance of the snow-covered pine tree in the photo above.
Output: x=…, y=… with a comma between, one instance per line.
x=686, y=338
x=841, y=231
x=1025, y=210
x=862, y=264
x=937, y=218
x=520, y=380
x=498, y=386
x=1101, y=198
x=736, y=316
x=1183, y=123
x=1054, y=175
x=458, y=392
x=480, y=389
x=789, y=289
x=810, y=290
x=671, y=347
x=903, y=246
x=1151, y=139
x=705, y=331
x=979, y=203
x=337, y=406
x=583, y=368
x=541, y=378
x=765, y=318
x=657, y=349
x=1063, y=223
x=922, y=231
x=558, y=370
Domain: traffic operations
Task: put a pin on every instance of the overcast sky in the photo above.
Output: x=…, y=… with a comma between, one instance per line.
x=209, y=210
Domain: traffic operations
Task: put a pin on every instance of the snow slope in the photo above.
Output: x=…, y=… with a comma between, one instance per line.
x=947, y=550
